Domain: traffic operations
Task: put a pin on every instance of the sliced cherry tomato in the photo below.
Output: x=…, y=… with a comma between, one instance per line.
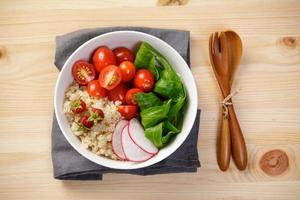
x=98, y=111
x=123, y=54
x=83, y=72
x=128, y=111
x=78, y=106
x=96, y=115
x=95, y=90
x=86, y=122
x=110, y=77
x=144, y=80
x=103, y=57
x=130, y=99
x=118, y=94
x=127, y=70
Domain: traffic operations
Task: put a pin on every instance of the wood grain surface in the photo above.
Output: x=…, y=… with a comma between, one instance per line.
x=268, y=104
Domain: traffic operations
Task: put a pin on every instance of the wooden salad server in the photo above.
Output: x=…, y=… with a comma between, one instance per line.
x=225, y=53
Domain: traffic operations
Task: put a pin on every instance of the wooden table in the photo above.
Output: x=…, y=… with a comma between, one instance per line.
x=268, y=104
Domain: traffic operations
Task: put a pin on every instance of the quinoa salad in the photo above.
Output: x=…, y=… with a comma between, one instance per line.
x=98, y=137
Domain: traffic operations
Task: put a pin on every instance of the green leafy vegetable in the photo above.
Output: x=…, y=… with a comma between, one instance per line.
x=147, y=100
x=155, y=114
x=161, y=134
x=168, y=127
x=144, y=55
x=154, y=134
x=168, y=137
x=168, y=86
x=153, y=69
x=161, y=122
x=176, y=113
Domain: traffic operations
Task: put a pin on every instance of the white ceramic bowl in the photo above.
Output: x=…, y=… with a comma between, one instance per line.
x=128, y=39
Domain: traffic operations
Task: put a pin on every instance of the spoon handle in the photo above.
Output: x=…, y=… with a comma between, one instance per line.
x=223, y=145
x=239, y=151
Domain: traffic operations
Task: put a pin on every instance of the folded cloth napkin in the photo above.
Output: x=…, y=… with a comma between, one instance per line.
x=68, y=164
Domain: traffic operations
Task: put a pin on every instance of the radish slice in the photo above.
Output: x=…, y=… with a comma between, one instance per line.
x=136, y=133
x=131, y=150
x=116, y=139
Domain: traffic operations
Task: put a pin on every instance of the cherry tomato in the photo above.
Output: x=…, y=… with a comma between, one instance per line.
x=78, y=106
x=98, y=111
x=95, y=90
x=103, y=57
x=130, y=99
x=128, y=111
x=127, y=70
x=144, y=80
x=83, y=72
x=85, y=122
x=110, y=77
x=118, y=94
x=123, y=54
x=96, y=115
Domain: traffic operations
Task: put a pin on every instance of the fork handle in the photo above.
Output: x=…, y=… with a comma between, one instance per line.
x=239, y=151
x=223, y=145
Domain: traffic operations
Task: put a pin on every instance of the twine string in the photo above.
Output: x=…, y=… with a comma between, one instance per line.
x=226, y=102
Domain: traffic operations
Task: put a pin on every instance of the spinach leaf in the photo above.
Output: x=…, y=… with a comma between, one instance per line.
x=147, y=100
x=144, y=55
x=168, y=137
x=175, y=108
x=169, y=131
x=154, y=134
x=153, y=69
x=176, y=113
x=168, y=85
x=161, y=134
x=177, y=120
x=169, y=127
x=151, y=116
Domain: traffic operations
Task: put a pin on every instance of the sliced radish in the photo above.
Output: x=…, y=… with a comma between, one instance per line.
x=136, y=133
x=116, y=139
x=131, y=150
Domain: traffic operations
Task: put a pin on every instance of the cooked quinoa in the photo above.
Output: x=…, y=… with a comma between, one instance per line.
x=98, y=137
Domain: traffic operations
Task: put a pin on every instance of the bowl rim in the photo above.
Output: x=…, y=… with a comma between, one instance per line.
x=192, y=84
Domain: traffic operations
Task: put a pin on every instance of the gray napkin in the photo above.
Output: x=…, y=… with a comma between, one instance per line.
x=68, y=164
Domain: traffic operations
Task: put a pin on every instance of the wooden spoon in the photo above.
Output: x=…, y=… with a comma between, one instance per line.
x=235, y=47
x=239, y=151
x=225, y=53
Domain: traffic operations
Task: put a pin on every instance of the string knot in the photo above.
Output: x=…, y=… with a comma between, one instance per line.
x=226, y=102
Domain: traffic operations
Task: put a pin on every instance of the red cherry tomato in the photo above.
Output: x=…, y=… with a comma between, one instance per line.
x=118, y=94
x=110, y=77
x=95, y=90
x=96, y=115
x=98, y=111
x=123, y=54
x=85, y=122
x=103, y=57
x=78, y=106
x=130, y=99
x=127, y=70
x=128, y=111
x=83, y=72
x=144, y=80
